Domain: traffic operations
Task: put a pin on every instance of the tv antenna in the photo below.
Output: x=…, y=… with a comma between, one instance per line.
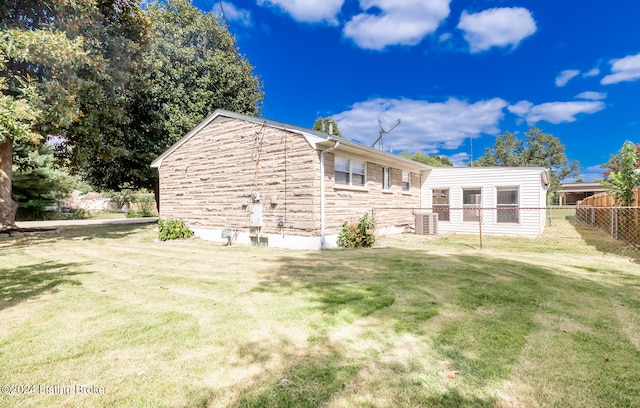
x=383, y=132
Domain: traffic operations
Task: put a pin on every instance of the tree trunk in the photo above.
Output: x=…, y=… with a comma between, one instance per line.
x=156, y=192
x=8, y=202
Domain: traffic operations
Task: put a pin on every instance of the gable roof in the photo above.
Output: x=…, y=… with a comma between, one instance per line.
x=317, y=140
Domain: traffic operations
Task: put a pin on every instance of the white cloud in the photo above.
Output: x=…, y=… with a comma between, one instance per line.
x=497, y=27
x=566, y=76
x=400, y=22
x=590, y=174
x=624, y=69
x=234, y=14
x=521, y=108
x=592, y=72
x=308, y=11
x=460, y=159
x=554, y=112
x=425, y=125
x=591, y=95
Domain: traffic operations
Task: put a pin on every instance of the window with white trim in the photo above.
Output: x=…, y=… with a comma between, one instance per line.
x=406, y=181
x=440, y=203
x=349, y=172
x=386, y=178
x=471, y=201
x=508, y=203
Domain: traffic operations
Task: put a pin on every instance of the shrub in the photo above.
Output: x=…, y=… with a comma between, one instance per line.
x=80, y=214
x=173, y=229
x=131, y=214
x=145, y=210
x=358, y=235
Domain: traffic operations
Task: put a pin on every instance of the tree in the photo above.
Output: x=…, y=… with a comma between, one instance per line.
x=623, y=175
x=190, y=67
x=38, y=63
x=507, y=151
x=36, y=182
x=537, y=150
x=434, y=160
x=104, y=138
x=326, y=124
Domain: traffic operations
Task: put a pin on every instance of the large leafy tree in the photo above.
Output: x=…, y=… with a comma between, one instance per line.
x=538, y=149
x=623, y=174
x=433, y=160
x=507, y=151
x=190, y=67
x=113, y=90
x=114, y=118
x=38, y=81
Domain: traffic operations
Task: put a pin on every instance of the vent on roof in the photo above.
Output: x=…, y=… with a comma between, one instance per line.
x=426, y=223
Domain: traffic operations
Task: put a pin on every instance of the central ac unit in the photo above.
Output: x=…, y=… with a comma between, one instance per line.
x=426, y=223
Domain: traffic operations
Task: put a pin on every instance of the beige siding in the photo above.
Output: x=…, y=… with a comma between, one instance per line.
x=208, y=178
x=350, y=203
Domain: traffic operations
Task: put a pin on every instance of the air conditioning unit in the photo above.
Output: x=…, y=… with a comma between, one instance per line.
x=426, y=224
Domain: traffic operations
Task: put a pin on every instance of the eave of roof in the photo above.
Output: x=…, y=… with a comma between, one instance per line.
x=582, y=188
x=382, y=158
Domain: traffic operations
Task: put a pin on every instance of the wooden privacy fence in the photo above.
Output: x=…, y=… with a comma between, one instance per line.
x=605, y=200
x=622, y=223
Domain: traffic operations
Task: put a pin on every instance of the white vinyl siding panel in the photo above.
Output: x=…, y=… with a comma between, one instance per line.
x=488, y=179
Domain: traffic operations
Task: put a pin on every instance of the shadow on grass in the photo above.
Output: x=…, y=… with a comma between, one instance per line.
x=487, y=309
x=80, y=232
x=604, y=242
x=403, y=290
x=309, y=382
x=24, y=282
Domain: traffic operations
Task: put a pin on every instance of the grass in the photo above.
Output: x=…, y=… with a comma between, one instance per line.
x=438, y=323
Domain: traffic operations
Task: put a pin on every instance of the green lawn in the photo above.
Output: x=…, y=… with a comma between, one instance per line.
x=432, y=323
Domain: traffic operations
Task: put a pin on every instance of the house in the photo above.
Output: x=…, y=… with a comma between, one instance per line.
x=268, y=183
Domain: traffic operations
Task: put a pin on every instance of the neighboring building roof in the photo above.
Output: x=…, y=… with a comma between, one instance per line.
x=582, y=188
x=316, y=139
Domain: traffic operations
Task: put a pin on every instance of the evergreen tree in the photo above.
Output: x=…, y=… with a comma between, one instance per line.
x=37, y=183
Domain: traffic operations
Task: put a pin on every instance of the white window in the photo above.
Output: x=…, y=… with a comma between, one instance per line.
x=471, y=201
x=386, y=178
x=406, y=181
x=349, y=172
x=440, y=203
x=508, y=202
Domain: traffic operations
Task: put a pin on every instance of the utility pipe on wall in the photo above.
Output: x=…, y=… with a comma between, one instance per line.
x=322, y=215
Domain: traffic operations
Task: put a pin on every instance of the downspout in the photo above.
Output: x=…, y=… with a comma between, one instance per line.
x=322, y=215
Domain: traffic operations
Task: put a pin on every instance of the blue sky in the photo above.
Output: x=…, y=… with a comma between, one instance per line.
x=457, y=73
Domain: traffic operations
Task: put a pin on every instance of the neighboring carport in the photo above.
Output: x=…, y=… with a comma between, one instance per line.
x=571, y=193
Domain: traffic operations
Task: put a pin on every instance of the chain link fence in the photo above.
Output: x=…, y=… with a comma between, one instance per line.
x=622, y=223
x=612, y=229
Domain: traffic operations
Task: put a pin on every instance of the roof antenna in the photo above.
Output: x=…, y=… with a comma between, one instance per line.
x=383, y=132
